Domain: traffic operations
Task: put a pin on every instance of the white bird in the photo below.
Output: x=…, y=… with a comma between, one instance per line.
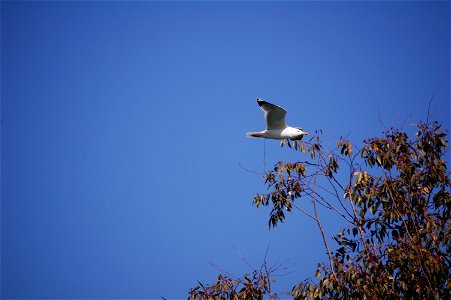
x=276, y=128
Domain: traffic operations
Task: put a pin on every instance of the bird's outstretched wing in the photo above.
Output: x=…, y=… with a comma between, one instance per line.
x=274, y=115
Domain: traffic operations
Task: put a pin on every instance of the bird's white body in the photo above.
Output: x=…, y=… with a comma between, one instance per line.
x=278, y=134
x=276, y=128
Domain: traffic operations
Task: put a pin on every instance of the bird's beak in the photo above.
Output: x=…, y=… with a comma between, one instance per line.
x=305, y=133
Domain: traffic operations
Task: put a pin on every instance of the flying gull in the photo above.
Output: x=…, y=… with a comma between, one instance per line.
x=276, y=128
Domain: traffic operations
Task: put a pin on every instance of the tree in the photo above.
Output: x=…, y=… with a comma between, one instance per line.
x=394, y=193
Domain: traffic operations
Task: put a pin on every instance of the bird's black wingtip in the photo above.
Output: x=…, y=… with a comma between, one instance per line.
x=260, y=101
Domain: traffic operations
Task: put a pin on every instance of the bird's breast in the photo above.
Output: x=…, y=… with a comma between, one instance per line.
x=290, y=133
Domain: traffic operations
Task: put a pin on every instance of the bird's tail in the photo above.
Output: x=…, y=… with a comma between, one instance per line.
x=254, y=134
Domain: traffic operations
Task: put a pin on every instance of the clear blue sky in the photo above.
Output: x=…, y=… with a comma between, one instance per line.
x=123, y=126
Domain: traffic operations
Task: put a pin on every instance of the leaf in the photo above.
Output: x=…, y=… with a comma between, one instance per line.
x=425, y=190
x=302, y=147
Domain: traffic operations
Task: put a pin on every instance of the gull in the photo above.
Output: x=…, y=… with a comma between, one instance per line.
x=276, y=128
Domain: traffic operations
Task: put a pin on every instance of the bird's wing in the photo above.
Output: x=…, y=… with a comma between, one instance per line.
x=274, y=115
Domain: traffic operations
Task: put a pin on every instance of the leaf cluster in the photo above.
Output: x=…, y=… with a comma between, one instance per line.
x=250, y=286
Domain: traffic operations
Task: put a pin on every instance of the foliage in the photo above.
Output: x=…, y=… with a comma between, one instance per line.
x=227, y=288
x=251, y=286
x=394, y=193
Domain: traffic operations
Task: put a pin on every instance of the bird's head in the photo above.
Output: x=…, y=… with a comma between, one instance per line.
x=300, y=133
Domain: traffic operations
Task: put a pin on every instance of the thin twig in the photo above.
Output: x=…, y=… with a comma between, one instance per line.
x=303, y=211
x=268, y=276
x=243, y=258
x=429, y=107
x=405, y=120
x=250, y=171
x=379, y=118
x=328, y=206
x=324, y=238
x=222, y=271
x=339, y=198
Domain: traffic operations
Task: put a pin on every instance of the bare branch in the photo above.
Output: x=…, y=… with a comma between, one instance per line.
x=250, y=171
x=332, y=268
x=243, y=258
x=379, y=118
x=221, y=270
x=328, y=205
x=429, y=107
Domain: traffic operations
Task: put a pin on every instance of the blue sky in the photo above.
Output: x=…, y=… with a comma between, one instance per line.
x=123, y=127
